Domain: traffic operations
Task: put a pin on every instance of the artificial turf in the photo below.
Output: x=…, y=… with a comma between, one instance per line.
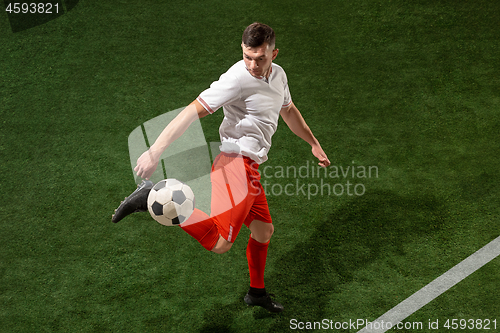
x=411, y=88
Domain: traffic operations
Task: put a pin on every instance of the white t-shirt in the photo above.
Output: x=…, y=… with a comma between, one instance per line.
x=251, y=109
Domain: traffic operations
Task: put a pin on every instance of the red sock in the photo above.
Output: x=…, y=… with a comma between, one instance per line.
x=256, y=256
x=202, y=228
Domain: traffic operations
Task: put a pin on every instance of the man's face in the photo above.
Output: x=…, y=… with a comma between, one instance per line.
x=258, y=59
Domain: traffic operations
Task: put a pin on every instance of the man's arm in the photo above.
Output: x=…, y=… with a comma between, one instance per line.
x=292, y=117
x=148, y=161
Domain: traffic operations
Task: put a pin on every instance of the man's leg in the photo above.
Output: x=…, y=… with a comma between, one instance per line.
x=257, y=251
x=258, y=243
x=229, y=206
x=202, y=227
x=222, y=246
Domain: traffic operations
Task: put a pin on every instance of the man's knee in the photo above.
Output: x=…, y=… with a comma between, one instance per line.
x=263, y=233
x=269, y=232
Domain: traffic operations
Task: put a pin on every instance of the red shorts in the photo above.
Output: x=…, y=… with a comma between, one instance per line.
x=237, y=194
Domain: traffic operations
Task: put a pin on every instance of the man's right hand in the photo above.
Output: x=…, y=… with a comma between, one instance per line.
x=146, y=164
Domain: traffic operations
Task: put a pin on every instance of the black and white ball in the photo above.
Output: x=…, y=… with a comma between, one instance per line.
x=171, y=202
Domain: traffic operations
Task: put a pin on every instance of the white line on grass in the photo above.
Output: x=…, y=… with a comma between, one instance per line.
x=453, y=276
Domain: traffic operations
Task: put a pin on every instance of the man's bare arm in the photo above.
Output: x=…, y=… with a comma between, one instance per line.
x=292, y=117
x=148, y=161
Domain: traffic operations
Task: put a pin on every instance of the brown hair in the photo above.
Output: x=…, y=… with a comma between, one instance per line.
x=257, y=34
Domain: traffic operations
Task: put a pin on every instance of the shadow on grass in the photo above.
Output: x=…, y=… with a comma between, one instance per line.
x=359, y=232
x=220, y=317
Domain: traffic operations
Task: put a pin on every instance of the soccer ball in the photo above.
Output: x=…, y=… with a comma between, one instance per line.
x=171, y=202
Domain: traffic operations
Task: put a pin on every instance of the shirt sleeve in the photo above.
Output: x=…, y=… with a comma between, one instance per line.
x=287, y=100
x=221, y=92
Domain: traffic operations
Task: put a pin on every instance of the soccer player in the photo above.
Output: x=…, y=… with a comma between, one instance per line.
x=253, y=94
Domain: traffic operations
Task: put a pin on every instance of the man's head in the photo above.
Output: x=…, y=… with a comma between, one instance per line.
x=258, y=45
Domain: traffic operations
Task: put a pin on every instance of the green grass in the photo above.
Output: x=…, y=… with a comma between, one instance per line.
x=410, y=87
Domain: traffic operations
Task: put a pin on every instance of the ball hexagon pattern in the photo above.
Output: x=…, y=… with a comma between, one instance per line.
x=171, y=202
